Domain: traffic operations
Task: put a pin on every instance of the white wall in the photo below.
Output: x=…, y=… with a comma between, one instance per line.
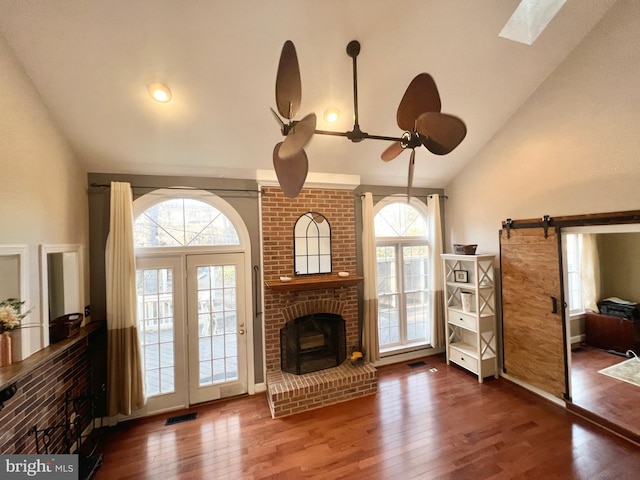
x=573, y=147
x=43, y=197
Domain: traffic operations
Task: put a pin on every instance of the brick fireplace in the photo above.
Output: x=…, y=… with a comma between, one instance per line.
x=290, y=393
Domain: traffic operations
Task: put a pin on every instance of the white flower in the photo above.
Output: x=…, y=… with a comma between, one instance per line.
x=8, y=319
x=11, y=315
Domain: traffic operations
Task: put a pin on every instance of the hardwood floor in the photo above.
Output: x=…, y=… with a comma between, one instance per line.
x=422, y=424
x=613, y=400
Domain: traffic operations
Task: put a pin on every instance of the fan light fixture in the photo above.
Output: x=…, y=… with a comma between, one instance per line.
x=331, y=115
x=160, y=92
x=419, y=116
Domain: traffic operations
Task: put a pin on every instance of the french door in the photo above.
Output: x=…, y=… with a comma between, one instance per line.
x=216, y=327
x=191, y=325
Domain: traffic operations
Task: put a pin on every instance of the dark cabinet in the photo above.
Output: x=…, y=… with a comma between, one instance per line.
x=612, y=333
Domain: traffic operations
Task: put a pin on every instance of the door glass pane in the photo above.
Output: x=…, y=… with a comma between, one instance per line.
x=217, y=320
x=155, y=327
x=416, y=283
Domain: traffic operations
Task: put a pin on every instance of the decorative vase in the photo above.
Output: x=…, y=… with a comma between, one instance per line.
x=5, y=350
x=466, y=298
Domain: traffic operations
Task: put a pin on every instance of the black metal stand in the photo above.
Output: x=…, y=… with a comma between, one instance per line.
x=79, y=411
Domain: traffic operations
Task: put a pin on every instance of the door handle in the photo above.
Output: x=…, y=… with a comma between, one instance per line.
x=241, y=331
x=554, y=305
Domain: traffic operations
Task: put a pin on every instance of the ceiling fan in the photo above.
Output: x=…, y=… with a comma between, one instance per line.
x=418, y=115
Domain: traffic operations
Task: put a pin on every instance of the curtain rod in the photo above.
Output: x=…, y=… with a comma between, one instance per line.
x=207, y=189
x=381, y=195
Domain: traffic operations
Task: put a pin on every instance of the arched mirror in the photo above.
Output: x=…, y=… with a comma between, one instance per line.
x=312, y=244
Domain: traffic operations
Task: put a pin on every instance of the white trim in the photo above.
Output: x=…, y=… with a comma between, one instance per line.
x=619, y=228
x=403, y=357
x=537, y=391
x=578, y=339
x=157, y=196
x=338, y=181
x=260, y=387
x=44, y=283
x=22, y=251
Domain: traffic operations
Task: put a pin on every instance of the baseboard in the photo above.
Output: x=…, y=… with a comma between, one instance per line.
x=260, y=387
x=578, y=339
x=537, y=391
x=403, y=357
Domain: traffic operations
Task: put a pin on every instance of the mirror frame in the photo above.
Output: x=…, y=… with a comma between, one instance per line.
x=22, y=252
x=311, y=218
x=45, y=250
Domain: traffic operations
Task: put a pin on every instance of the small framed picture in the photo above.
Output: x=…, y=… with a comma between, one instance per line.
x=461, y=276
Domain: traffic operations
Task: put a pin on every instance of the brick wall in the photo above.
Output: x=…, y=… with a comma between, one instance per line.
x=279, y=214
x=40, y=400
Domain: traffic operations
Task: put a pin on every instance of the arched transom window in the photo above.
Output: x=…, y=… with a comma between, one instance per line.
x=183, y=222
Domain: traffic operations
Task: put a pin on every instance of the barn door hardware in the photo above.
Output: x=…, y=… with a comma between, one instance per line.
x=507, y=225
x=554, y=305
x=545, y=224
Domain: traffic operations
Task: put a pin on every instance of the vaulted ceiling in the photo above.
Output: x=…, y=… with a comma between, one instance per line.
x=92, y=60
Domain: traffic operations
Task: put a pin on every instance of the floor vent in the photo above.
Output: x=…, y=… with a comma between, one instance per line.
x=417, y=364
x=181, y=418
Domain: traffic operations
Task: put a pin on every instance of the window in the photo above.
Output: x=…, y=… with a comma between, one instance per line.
x=574, y=274
x=402, y=258
x=183, y=222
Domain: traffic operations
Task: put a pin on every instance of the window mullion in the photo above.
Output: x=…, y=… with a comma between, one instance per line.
x=402, y=303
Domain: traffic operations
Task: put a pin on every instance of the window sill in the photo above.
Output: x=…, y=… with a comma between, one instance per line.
x=391, y=351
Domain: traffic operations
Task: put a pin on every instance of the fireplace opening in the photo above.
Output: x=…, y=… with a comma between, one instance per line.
x=312, y=342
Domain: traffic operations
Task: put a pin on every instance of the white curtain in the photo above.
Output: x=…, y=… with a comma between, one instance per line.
x=436, y=287
x=590, y=272
x=370, y=322
x=125, y=383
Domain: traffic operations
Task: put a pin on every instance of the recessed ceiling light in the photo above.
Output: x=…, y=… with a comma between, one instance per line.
x=331, y=115
x=160, y=92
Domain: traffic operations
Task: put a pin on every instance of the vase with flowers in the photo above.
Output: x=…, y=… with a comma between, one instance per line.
x=10, y=317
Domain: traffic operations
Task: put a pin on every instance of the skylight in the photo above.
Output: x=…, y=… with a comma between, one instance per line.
x=530, y=19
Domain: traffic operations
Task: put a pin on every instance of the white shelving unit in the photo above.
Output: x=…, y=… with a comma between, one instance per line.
x=471, y=334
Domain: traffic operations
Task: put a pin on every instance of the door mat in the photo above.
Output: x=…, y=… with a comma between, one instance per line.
x=627, y=371
x=181, y=418
x=417, y=364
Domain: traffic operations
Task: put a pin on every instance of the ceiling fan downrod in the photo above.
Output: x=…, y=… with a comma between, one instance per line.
x=356, y=135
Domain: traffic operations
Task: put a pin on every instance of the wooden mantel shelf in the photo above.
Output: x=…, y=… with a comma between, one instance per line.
x=313, y=282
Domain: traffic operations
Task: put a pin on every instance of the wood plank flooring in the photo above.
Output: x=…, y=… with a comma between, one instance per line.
x=613, y=400
x=422, y=424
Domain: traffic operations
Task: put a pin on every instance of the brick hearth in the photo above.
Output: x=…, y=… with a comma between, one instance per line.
x=288, y=393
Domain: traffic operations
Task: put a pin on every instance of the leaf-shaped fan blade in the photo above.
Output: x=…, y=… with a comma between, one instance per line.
x=291, y=172
x=444, y=131
x=412, y=162
x=299, y=135
x=288, y=84
x=392, y=151
x=421, y=96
